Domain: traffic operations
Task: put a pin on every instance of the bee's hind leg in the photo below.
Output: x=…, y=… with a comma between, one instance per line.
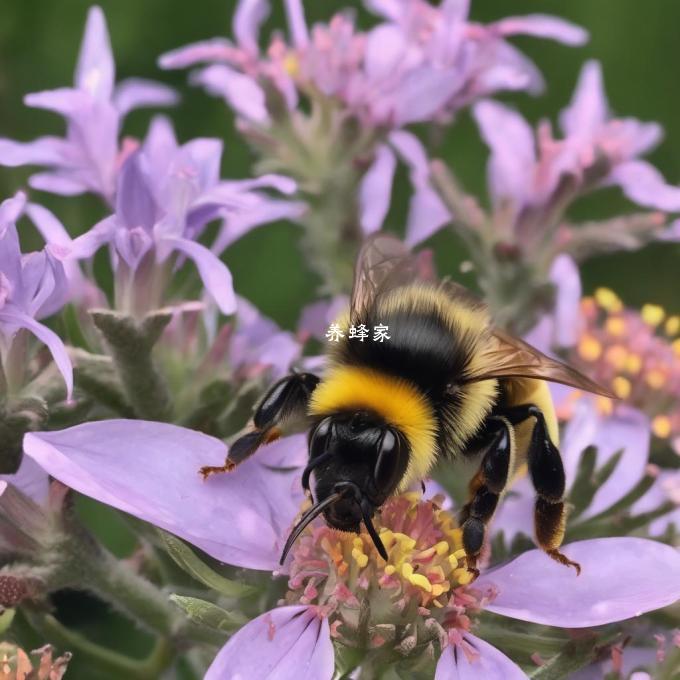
x=285, y=402
x=547, y=475
x=486, y=486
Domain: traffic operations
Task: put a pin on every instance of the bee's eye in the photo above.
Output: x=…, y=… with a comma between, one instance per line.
x=320, y=437
x=390, y=464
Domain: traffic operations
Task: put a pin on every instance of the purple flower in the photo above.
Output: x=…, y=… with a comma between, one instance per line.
x=89, y=157
x=165, y=196
x=150, y=470
x=32, y=286
x=528, y=174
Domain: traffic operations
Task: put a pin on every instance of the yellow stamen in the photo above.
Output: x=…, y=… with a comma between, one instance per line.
x=622, y=387
x=655, y=378
x=616, y=356
x=291, y=65
x=661, y=426
x=672, y=326
x=608, y=300
x=652, y=315
x=615, y=326
x=359, y=557
x=633, y=363
x=390, y=569
x=463, y=576
x=604, y=405
x=676, y=347
x=441, y=548
x=589, y=348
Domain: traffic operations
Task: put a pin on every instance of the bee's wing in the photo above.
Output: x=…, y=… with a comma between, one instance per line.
x=383, y=263
x=509, y=357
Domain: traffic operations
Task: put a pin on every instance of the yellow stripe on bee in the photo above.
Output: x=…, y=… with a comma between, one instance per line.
x=396, y=400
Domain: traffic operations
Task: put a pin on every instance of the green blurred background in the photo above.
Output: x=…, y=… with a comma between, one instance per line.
x=636, y=42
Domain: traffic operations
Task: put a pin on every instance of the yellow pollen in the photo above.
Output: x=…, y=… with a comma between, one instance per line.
x=672, y=325
x=608, y=300
x=359, y=557
x=676, y=347
x=655, y=378
x=589, y=348
x=616, y=356
x=652, y=315
x=390, y=569
x=633, y=363
x=463, y=576
x=615, y=326
x=406, y=543
x=441, y=548
x=661, y=426
x=622, y=387
x=453, y=561
x=604, y=405
x=291, y=65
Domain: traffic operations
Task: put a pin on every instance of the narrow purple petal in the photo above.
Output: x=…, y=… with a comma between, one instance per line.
x=135, y=203
x=542, y=26
x=30, y=479
x=316, y=317
x=95, y=72
x=375, y=191
x=485, y=662
x=135, y=93
x=513, y=156
x=65, y=101
x=51, y=229
x=90, y=242
x=423, y=92
x=57, y=183
x=565, y=276
x=150, y=470
x=588, y=109
x=240, y=91
x=297, y=25
x=390, y=9
x=620, y=578
x=644, y=184
x=18, y=319
x=285, y=642
x=215, y=49
x=41, y=151
x=281, y=183
x=386, y=47
x=214, y=273
x=249, y=16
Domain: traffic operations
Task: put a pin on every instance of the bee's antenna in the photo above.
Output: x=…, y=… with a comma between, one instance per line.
x=308, y=517
x=377, y=542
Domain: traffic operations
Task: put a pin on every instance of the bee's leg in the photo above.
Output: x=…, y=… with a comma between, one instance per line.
x=486, y=486
x=285, y=402
x=547, y=475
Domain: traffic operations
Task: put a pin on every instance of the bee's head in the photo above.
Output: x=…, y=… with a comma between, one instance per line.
x=358, y=461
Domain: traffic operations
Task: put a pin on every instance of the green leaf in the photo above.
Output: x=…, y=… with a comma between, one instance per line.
x=209, y=615
x=574, y=656
x=131, y=346
x=187, y=559
x=583, y=488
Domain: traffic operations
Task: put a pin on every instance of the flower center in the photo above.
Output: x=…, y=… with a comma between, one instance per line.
x=410, y=600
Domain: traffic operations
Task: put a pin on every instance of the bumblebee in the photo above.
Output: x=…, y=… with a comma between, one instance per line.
x=446, y=384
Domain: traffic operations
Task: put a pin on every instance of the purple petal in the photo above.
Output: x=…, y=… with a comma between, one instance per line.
x=240, y=91
x=30, y=479
x=65, y=101
x=513, y=157
x=202, y=156
x=150, y=470
x=626, y=429
x=565, y=276
x=286, y=642
x=18, y=319
x=295, y=15
x=281, y=183
x=385, y=51
x=135, y=203
x=41, y=151
x=390, y=9
x=422, y=93
x=95, y=72
x=135, y=93
x=51, y=229
x=501, y=66
x=620, y=578
x=90, y=242
x=316, y=318
x=515, y=513
x=588, y=109
x=427, y=213
x=57, y=183
x=542, y=26
x=488, y=663
x=214, y=273
x=645, y=185
x=242, y=221
x=249, y=16
x=375, y=191
x=215, y=49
